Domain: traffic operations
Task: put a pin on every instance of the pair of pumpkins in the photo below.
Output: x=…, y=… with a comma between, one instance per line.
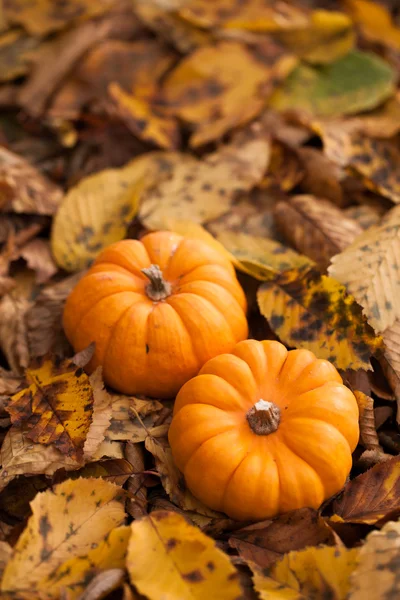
x=259, y=430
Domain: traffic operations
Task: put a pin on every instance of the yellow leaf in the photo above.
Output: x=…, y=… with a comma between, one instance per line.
x=201, y=190
x=376, y=575
x=375, y=21
x=56, y=407
x=67, y=522
x=170, y=559
x=220, y=86
x=329, y=36
x=313, y=311
x=311, y=573
x=39, y=17
x=125, y=424
x=95, y=213
x=369, y=268
x=141, y=118
x=262, y=258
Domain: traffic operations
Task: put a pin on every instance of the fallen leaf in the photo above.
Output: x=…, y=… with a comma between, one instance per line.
x=368, y=435
x=20, y=456
x=322, y=177
x=94, y=214
x=368, y=268
x=103, y=584
x=23, y=189
x=356, y=82
x=285, y=170
x=261, y=258
x=375, y=574
x=375, y=21
x=309, y=573
x=315, y=227
x=15, y=49
x=101, y=419
x=15, y=499
x=9, y=382
x=115, y=470
x=214, y=183
x=313, y=311
x=38, y=258
x=109, y=449
x=137, y=500
x=266, y=542
x=365, y=215
x=38, y=16
x=224, y=85
x=124, y=422
x=370, y=497
x=74, y=532
x=13, y=332
x=142, y=119
x=56, y=406
x=187, y=562
x=328, y=36
x=390, y=360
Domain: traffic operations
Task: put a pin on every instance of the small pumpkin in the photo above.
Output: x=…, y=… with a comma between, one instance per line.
x=264, y=430
x=157, y=310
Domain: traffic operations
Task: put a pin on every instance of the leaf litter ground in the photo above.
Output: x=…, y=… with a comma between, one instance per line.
x=270, y=130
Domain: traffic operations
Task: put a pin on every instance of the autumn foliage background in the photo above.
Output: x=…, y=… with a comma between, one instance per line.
x=270, y=129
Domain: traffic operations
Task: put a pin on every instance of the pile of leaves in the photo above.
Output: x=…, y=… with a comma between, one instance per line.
x=271, y=129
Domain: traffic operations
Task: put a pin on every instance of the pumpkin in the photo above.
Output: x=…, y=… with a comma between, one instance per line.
x=264, y=430
x=157, y=310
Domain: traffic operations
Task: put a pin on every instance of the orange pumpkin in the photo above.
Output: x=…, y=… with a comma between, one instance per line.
x=157, y=310
x=263, y=431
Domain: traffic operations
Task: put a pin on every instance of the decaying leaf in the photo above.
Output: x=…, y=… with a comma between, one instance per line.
x=315, y=227
x=23, y=189
x=15, y=48
x=38, y=257
x=133, y=419
x=20, y=456
x=322, y=177
x=390, y=360
x=74, y=532
x=103, y=584
x=187, y=562
x=313, y=311
x=368, y=434
x=137, y=492
x=226, y=80
x=266, y=542
x=94, y=214
x=355, y=82
x=371, y=496
x=368, y=268
x=202, y=190
x=13, y=332
x=102, y=412
x=56, y=406
x=376, y=573
x=309, y=573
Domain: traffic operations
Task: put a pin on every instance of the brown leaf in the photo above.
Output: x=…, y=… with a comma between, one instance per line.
x=364, y=215
x=391, y=360
x=103, y=584
x=44, y=319
x=124, y=422
x=322, y=177
x=38, y=257
x=56, y=406
x=15, y=49
x=13, y=333
x=266, y=542
x=20, y=456
x=315, y=227
x=368, y=435
x=15, y=498
x=285, y=170
x=137, y=501
x=115, y=470
x=5, y=555
x=102, y=412
x=23, y=189
x=372, y=496
x=9, y=382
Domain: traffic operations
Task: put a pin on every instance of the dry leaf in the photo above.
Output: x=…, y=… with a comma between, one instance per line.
x=313, y=311
x=94, y=214
x=15, y=49
x=74, y=532
x=371, y=496
x=221, y=86
x=315, y=227
x=266, y=542
x=137, y=501
x=364, y=215
x=368, y=435
x=20, y=456
x=24, y=189
x=103, y=584
x=101, y=419
x=322, y=177
x=390, y=361
x=375, y=21
x=13, y=332
x=38, y=257
x=124, y=422
x=187, y=562
x=202, y=190
x=368, y=268
x=56, y=406
x=309, y=573
x=5, y=555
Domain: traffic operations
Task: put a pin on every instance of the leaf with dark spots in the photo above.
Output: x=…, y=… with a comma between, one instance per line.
x=56, y=407
x=309, y=310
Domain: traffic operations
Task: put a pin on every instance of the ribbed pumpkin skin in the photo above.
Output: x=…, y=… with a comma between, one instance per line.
x=248, y=476
x=148, y=347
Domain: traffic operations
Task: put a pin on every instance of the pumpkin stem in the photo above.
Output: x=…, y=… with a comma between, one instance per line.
x=264, y=417
x=158, y=289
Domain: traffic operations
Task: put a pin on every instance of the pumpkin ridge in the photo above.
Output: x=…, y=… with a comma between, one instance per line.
x=98, y=301
x=247, y=454
x=133, y=269
x=321, y=421
x=213, y=283
x=202, y=444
